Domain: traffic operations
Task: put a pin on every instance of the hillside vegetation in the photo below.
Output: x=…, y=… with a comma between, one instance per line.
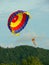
x=24, y=55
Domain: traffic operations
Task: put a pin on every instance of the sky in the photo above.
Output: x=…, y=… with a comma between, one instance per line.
x=37, y=26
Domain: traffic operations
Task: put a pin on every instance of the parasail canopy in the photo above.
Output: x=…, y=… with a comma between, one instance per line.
x=17, y=21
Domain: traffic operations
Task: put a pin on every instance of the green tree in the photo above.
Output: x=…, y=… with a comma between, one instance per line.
x=35, y=61
x=24, y=62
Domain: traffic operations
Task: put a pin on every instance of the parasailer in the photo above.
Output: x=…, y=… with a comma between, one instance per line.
x=34, y=41
x=17, y=21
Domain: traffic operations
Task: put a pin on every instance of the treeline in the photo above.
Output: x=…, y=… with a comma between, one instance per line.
x=24, y=55
x=29, y=61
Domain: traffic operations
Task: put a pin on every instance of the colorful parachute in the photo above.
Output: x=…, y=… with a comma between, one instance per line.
x=17, y=21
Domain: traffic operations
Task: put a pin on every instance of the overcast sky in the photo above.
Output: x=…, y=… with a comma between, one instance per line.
x=37, y=25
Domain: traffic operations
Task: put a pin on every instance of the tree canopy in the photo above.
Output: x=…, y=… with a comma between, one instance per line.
x=24, y=55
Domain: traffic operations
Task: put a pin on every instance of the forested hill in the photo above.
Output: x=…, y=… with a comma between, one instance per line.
x=24, y=55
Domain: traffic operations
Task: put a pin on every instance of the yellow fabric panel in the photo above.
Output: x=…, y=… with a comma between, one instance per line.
x=28, y=14
x=15, y=34
x=20, y=16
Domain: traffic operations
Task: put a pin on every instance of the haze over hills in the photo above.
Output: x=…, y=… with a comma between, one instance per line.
x=24, y=55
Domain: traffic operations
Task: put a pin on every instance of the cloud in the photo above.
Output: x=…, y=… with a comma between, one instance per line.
x=45, y=8
x=46, y=44
x=27, y=37
x=4, y=45
x=47, y=1
x=34, y=5
x=37, y=8
x=14, y=5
